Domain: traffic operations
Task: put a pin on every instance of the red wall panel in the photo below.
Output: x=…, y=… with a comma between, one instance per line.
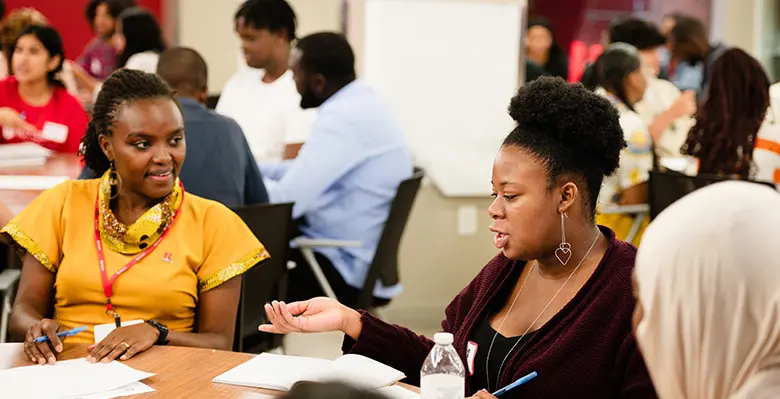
x=68, y=17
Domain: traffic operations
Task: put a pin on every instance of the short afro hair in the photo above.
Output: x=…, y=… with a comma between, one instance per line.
x=643, y=35
x=571, y=130
x=272, y=15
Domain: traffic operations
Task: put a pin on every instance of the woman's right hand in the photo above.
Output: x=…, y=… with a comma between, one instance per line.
x=42, y=353
x=315, y=315
x=10, y=118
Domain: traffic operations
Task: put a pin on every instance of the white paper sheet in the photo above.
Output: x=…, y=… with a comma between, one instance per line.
x=280, y=372
x=135, y=388
x=397, y=392
x=66, y=379
x=17, y=182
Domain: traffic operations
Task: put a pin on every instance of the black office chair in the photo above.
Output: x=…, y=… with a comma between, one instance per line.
x=384, y=266
x=212, y=100
x=272, y=225
x=668, y=186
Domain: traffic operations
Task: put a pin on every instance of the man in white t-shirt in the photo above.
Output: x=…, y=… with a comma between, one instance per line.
x=262, y=96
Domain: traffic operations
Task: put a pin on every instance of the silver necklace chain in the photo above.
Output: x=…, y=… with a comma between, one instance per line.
x=490, y=349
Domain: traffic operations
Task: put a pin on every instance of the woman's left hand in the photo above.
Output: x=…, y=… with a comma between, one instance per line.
x=483, y=394
x=123, y=343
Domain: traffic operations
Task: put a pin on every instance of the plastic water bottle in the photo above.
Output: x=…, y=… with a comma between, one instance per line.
x=443, y=375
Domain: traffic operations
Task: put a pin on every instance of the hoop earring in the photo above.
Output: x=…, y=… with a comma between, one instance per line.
x=114, y=180
x=563, y=253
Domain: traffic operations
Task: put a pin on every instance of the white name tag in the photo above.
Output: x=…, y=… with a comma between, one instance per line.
x=102, y=330
x=54, y=132
x=471, y=354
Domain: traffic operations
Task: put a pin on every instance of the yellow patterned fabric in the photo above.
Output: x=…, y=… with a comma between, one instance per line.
x=621, y=225
x=130, y=240
x=206, y=246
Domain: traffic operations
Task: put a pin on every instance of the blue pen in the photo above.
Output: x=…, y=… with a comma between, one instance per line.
x=66, y=333
x=520, y=381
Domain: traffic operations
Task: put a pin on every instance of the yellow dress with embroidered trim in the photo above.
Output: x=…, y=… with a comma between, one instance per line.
x=207, y=246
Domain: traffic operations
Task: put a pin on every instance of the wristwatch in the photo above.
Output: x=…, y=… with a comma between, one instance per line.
x=163, y=338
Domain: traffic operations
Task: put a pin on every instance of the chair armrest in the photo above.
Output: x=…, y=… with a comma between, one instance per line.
x=625, y=209
x=303, y=242
x=8, y=278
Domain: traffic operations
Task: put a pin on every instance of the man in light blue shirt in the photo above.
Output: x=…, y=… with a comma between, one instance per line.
x=347, y=173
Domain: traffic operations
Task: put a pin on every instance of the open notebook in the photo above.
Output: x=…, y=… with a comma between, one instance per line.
x=280, y=372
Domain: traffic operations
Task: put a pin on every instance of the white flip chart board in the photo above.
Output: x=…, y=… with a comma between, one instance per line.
x=448, y=68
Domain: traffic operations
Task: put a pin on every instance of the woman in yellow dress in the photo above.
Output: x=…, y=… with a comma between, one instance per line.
x=130, y=254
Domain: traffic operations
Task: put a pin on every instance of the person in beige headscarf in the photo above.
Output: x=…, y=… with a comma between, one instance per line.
x=708, y=285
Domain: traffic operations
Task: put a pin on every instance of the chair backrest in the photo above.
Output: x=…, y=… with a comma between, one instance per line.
x=272, y=225
x=384, y=266
x=667, y=187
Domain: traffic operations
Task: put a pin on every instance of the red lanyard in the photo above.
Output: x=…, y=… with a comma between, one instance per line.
x=108, y=283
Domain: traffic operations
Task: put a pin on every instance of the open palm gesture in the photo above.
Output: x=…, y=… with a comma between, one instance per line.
x=315, y=315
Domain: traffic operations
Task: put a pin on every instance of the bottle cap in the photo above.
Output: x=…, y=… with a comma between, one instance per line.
x=443, y=338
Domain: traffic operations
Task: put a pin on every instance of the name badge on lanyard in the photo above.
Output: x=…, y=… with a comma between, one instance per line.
x=108, y=283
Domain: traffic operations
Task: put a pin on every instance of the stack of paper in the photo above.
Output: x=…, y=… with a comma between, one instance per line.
x=23, y=155
x=72, y=379
x=33, y=183
x=280, y=372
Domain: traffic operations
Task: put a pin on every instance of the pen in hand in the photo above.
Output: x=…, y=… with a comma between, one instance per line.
x=66, y=333
x=520, y=381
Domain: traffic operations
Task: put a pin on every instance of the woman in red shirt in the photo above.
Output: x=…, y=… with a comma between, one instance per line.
x=34, y=105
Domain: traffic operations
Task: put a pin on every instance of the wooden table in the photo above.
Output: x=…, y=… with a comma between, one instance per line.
x=180, y=372
x=58, y=165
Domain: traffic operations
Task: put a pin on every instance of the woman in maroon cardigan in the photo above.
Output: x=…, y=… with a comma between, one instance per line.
x=557, y=299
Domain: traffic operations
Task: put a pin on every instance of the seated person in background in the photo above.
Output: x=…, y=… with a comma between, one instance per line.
x=347, y=173
x=160, y=255
x=689, y=44
x=138, y=42
x=220, y=166
x=329, y=390
x=17, y=21
x=261, y=96
x=708, y=295
x=34, y=106
x=99, y=56
x=617, y=74
x=734, y=136
x=557, y=299
x=664, y=109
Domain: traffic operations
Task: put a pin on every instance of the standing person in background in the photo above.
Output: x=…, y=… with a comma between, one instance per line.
x=219, y=166
x=689, y=44
x=664, y=109
x=99, y=56
x=34, y=105
x=541, y=48
x=262, y=98
x=708, y=295
x=347, y=173
x=735, y=134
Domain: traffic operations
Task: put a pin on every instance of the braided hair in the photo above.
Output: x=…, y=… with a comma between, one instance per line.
x=728, y=120
x=121, y=87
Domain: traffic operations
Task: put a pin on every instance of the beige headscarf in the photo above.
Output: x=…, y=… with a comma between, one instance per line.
x=708, y=274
